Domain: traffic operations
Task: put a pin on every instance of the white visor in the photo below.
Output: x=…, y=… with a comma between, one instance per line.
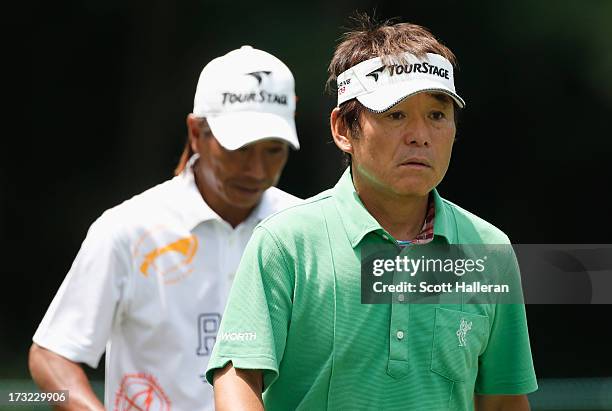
x=379, y=86
x=234, y=130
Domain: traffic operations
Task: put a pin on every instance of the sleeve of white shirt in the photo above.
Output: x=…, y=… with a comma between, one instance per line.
x=79, y=320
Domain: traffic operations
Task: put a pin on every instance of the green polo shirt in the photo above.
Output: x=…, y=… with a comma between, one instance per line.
x=295, y=313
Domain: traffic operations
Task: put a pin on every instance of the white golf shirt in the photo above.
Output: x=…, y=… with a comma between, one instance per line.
x=149, y=286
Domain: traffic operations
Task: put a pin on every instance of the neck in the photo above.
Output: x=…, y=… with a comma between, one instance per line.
x=401, y=215
x=232, y=214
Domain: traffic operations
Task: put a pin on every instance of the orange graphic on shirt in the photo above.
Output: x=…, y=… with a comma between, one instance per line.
x=141, y=392
x=172, y=260
x=186, y=246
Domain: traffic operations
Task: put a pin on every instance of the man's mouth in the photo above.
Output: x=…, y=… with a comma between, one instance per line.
x=417, y=163
x=248, y=189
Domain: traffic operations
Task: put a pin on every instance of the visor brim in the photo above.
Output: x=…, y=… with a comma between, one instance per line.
x=384, y=98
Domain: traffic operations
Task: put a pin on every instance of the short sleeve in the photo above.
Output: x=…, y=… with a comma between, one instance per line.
x=506, y=366
x=254, y=326
x=78, y=322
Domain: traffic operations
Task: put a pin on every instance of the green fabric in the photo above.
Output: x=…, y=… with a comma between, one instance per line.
x=295, y=312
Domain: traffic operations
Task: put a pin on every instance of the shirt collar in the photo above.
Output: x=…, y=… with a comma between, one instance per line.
x=427, y=230
x=355, y=217
x=265, y=207
x=444, y=224
x=188, y=198
x=194, y=208
x=358, y=221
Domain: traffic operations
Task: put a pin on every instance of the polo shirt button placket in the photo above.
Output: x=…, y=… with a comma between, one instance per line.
x=398, y=364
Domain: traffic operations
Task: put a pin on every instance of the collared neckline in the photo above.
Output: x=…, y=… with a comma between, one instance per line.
x=265, y=206
x=358, y=222
x=191, y=203
x=196, y=210
x=444, y=224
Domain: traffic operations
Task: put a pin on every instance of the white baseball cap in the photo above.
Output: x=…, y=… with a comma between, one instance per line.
x=247, y=95
x=379, y=86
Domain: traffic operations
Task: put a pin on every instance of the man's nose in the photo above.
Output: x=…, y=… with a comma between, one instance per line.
x=417, y=132
x=255, y=166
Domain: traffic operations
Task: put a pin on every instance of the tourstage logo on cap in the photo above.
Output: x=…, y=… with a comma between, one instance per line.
x=261, y=96
x=380, y=83
x=399, y=69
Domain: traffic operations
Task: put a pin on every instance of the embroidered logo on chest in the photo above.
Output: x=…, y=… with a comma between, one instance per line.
x=464, y=328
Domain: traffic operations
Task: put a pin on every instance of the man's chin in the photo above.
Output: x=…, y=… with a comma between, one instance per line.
x=412, y=184
x=413, y=190
x=245, y=200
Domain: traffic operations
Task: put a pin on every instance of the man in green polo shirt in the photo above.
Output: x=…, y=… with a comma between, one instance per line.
x=295, y=334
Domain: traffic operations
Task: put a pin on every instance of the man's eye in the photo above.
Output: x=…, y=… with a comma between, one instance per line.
x=275, y=150
x=437, y=115
x=396, y=115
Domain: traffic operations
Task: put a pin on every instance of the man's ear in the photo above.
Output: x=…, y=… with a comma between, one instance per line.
x=340, y=132
x=194, y=131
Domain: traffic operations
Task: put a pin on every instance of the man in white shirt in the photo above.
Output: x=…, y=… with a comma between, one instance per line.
x=150, y=281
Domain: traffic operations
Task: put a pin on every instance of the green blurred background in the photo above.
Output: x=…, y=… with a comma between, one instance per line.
x=107, y=85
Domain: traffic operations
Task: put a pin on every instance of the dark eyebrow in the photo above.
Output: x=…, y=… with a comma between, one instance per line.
x=442, y=98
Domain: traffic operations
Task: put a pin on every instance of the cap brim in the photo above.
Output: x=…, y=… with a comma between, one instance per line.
x=234, y=130
x=384, y=98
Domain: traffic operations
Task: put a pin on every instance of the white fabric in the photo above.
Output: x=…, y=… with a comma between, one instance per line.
x=149, y=286
x=252, y=91
x=246, y=128
x=380, y=86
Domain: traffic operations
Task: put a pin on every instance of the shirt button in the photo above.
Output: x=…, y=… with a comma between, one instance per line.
x=400, y=298
x=400, y=335
x=385, y=236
